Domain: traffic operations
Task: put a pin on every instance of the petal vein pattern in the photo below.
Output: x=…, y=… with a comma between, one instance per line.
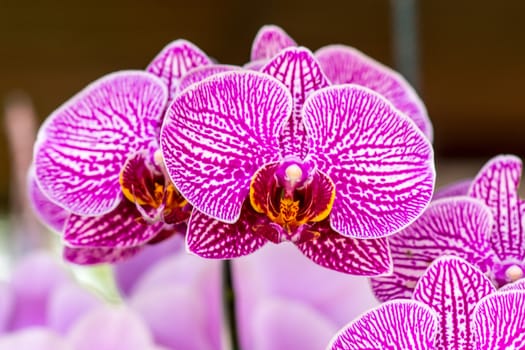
x=83, y=145
x=381, y=164
x=216, y=135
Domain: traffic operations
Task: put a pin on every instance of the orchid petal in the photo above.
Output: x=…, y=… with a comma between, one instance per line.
x=497, y=185
x=458, y=226
x=344, y=64
x=83, y=145
x=198, y=74
x=458, y=188
x=500, y=321
x=381, y=164
x=300, y=72
x=34, y=339
x=452, y=287
x=210, y=238
x=174, y=61
x=121, y=228
x=395, y=325
x=269, y=41
x=365, y=257
x=52, y=215
x=217, y=133
x=518, y=285
x=98, y=255
x=255, y=65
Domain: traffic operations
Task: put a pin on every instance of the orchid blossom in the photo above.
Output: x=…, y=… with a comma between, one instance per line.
x=281, y=156
x=97, y=162
x=454, y=307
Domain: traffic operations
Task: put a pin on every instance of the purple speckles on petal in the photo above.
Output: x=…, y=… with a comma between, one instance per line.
x=210, y=238
x=381, y=164
x=300, y=72
x=204, y=72
x=269, y=41
x=343, y=64
x=174, y=61
x=217, y=133
x=98, y=255
x=452, y=288
x=458, y=226
x=120, y=228
x=500, y=321
x=398, y=325
x=497, y=185
x=83, y=145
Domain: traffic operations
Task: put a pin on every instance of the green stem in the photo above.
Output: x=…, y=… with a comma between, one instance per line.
x=228, y=302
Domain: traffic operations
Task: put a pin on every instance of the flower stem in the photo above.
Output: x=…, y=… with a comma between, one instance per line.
x=228, y=302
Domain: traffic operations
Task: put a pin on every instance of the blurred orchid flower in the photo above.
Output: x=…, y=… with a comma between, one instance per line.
x=454, y=306
x=345, y=65
x=97, y=158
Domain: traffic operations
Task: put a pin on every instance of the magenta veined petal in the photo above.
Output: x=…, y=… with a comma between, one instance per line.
x=83, y=145
x=518, y=285
x=198, y=74
x=497, y=185
x=174, y=61
x=269, y=41
x=217, y=133
x=458, y=188
x=500, y=321
x=121, y=228
x=344, y=64
x=299, y=71
x=210, y=238
x=458, y=226
x=362, y=257
x=98, y=255
x=395, y=325
x=380, y=162
x=52, y=215
x=452, y=287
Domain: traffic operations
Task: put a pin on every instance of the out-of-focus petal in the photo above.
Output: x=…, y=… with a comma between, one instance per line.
x=395, y=325
x=279, y=324
x=458, y=226
x=6, y=306
x=198, y=74
x=34, y=339
x=300, y=72
x=217, y=133
x=497, y=185
x=269, y=41
x=211, y=238
x=174, y=61
x=48, y=212
x=364, y=257
x=121, y=228
x=500, y=321
x=83, y=145
x=452, y=287
x=381, y=164
x=110, y=328
x=458, y=188
x=344, y=64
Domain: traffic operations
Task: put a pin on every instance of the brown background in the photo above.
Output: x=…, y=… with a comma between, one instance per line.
x=472, y=53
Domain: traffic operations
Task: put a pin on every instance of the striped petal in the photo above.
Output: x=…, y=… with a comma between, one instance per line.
x=217, y=133
x=201, y=73
x=497, y=185
x=452, y=287
x=174, y=61
x=381, y=164
x=300, y=72
x=518, y=285
x=344, y=64
x=48, y=212
x=83, y=145
x=500, y=321
x=397, y=325
x=365, y=257
x=269, y=41
x=457, y=226
x=98, y=255
x=210, y=238
x=459, y=188
x=121, y=228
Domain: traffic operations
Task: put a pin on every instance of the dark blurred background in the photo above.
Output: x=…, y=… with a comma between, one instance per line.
x=471, y=69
